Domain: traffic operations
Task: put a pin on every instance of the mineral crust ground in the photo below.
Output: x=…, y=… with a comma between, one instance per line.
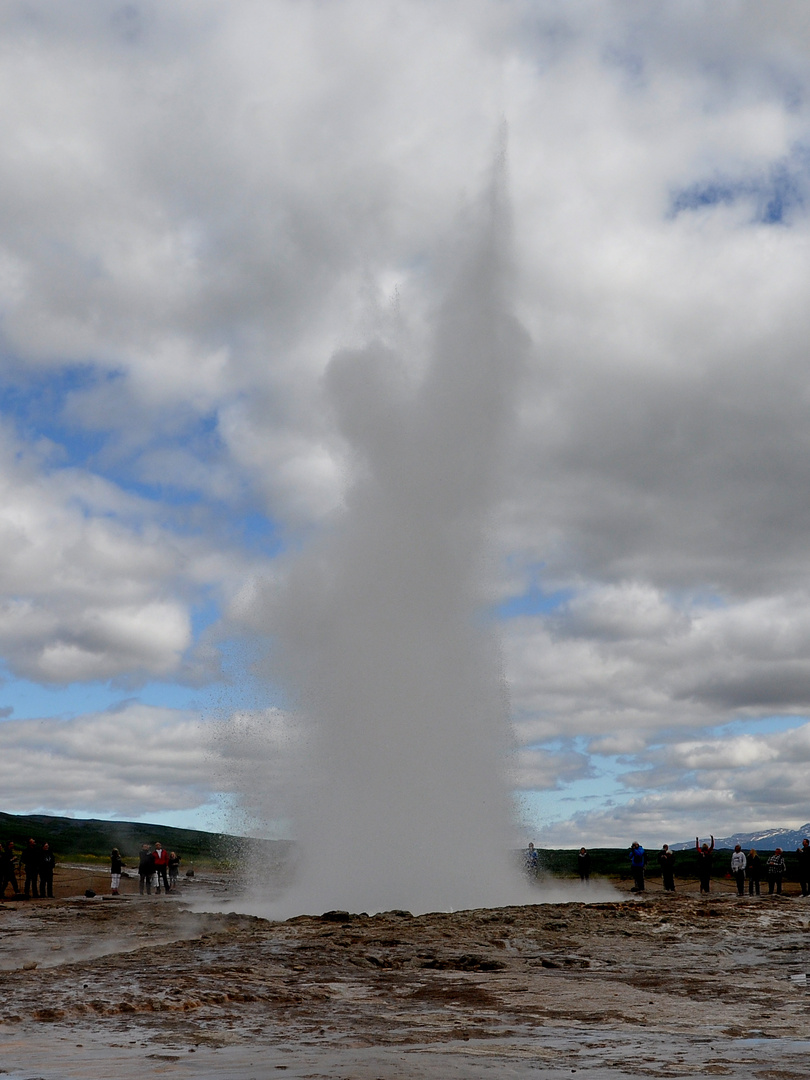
x=659, y=986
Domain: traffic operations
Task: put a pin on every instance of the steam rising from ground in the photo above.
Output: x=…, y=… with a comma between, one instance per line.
x=379, y=635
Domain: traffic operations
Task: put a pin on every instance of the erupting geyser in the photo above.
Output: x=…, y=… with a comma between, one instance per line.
x=378, y=632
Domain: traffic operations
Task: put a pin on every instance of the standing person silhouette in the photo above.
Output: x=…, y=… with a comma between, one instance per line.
x=530, y=860
x=161, y=857
x=7, y=874
x=638, y=860
x=776, y=868
x=804, y=866
x=116, y=866
x=584, y=866
x=738, y=865
x=753, y=871
x=146, y=868
x=666, y=858
x=174, y=868
x=29, y=861
x=47, y=865
x=705, y=857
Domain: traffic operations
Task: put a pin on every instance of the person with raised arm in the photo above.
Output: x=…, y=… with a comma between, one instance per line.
x=705, y=857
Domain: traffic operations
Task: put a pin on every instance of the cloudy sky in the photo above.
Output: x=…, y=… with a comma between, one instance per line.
x=202, y=203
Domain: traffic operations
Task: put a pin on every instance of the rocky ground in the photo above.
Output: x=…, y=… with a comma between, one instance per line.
x=665, y=986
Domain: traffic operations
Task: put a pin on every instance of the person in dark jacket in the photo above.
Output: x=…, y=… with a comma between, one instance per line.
x=146, y=868
x=705, y=857
x=666, y=858
x=753, y=871
x=804, y=866
x=47, y=864
x=29, y=861
x=584, y=865
x=776, y=871
x=7, y=874
x=174, y=868
x=116, y=866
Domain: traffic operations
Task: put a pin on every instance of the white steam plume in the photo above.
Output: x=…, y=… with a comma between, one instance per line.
x=379, y=631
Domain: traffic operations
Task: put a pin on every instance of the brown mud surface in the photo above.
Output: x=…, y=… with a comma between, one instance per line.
x=660, y=986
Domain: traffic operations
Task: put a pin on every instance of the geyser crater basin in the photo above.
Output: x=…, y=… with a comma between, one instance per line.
x=277, y=910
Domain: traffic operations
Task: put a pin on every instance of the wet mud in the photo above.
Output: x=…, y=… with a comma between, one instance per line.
x=665, y=985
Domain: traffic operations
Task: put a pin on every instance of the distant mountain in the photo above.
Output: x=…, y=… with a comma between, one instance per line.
x=787, y=839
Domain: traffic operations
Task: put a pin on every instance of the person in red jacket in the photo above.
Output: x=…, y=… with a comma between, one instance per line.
x=161, y=857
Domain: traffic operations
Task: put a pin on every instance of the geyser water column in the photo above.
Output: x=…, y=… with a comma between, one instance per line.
x=380, y=637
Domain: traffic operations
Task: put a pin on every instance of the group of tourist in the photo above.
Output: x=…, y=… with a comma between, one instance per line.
x=156, y=866
x=35, y=865
x=750, y=868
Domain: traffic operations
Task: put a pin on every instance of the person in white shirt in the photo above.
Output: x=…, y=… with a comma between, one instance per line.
x=738, y=865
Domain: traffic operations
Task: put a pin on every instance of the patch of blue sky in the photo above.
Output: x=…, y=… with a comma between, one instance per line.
x=220, y=813
x=534, y=601
x=209, y=816
x=258, y=533
x=774, y=195
x=244, y=685
x=167, y=695
x=548, y=808
x=216, y=816
x=760, y=725
x=204, y=613
x=602, y=783
x=33, y=398
x=30, y=700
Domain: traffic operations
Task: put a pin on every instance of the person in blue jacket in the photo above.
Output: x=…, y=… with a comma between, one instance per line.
x=638, y=860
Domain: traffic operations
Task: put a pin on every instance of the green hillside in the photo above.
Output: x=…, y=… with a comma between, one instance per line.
x=78, y=837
